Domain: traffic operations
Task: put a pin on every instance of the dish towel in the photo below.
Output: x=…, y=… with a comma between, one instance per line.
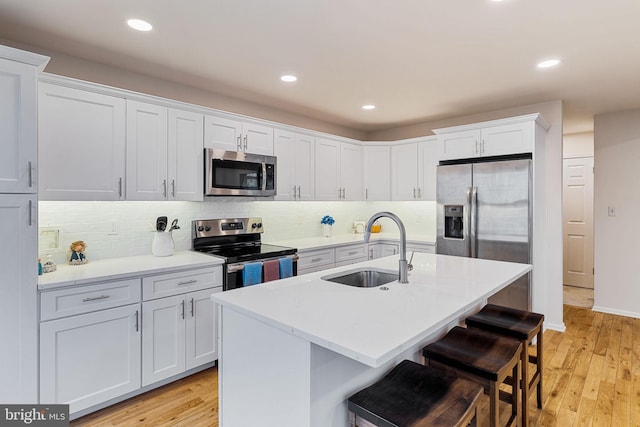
x=286, y=267
x=271, y=270
x=252, y=274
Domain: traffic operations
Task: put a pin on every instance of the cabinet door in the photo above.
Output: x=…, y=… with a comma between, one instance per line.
x=404, y=172
x=327, y=169
x=351, y=174
x=428, y=157
x=459, y=145
x=163, y=338
x=507, y=139
x=257, y=139
x=146, y=151
x=283, y=148
x=222, y=133
x=18, y=298
x=202, y=331
x=304, y=167
x=185, y=174
x=81, y=147
x=377, y=173
x=18, y=125
x=388, y=249
x=91, y=358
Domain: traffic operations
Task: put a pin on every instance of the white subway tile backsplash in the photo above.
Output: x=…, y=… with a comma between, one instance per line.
x=135, y=221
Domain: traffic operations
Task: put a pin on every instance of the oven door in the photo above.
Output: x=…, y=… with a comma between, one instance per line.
x=233, y=272
x=230, y=173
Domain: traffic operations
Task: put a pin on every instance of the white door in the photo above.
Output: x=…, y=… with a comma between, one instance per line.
x=304, y=166
x=257, y=139
x=202, y=331
x=578, y=222
x=327, y=169
x=18, y=140
x=81, y=144
x=163, y=338
x=91, y=358
x=146, y=151
x=377, y=172
x=428, y=155
x=459, y=145
x=185, y=156
x=404, y=172
x=222, y=133
x=351, y=175
x=283, y=149
x=18, y=298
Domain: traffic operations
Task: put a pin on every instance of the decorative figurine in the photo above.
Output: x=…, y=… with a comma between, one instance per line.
x=77, y=256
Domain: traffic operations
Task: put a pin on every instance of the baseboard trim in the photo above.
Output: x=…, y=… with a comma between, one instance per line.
x=555, y=326
x=624, y=313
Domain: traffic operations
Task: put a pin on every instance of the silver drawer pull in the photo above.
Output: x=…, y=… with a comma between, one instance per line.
x=316, y=259
x=188, y=282
x=95, y=298
x=353, y=252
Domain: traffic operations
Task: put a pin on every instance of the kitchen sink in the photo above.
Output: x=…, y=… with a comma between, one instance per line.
x=363, y=277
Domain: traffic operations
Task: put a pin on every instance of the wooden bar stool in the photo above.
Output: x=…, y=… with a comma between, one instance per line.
x=523, y=326
x=415, y=395
x=483, y=357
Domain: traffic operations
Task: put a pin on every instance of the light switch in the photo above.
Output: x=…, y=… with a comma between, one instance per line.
x=612, y=211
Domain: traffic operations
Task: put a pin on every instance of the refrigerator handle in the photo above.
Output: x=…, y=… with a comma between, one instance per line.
x=466, y=223
x=474, y=223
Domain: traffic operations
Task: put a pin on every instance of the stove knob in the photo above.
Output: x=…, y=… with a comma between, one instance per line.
x=254, y=225
x=200, y=228
x=259, y=225
x=207, y=228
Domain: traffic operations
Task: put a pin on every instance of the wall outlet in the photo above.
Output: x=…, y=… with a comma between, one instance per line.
x=612, y=211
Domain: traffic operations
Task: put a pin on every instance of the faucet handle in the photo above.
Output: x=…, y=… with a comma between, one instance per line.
x=410, y=266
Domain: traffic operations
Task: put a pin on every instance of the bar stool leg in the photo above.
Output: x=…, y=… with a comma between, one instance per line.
x=494, y=404
x=517, y=409
x=540, y=370
x=524, y=382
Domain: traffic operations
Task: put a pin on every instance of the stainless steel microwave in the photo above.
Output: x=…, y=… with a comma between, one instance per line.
x=231, y=173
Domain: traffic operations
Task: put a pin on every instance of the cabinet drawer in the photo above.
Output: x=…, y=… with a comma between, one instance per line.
x=314, y=259
x=165, y=285
x=348, y=253
x=84, y=299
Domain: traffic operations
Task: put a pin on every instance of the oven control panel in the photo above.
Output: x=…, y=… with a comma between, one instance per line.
x=226, y=226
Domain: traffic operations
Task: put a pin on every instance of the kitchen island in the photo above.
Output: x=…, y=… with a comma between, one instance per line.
x=292, y=351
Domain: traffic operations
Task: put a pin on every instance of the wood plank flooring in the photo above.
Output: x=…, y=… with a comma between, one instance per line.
x=591, y=379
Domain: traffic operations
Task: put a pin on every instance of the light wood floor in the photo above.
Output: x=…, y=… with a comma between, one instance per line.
x=591, y=378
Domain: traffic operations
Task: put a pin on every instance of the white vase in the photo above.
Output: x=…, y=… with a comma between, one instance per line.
x=162, y=244
x=326, y=230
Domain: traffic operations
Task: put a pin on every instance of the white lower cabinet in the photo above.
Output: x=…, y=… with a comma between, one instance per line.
x=379, y=250
x=179, y=334
x=90, y=358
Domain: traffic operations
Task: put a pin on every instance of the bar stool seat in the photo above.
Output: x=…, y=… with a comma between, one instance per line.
x=414, y=395
x=485, y=358
x=523, y=326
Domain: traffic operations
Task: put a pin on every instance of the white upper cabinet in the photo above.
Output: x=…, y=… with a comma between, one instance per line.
x=18, y=137
x=235, y=135
x=377, y=172
x=81, y=144
x=295, y=157
x=164, y=153
x=514, y=135
x=413, y=170
x=147, y=142
x=427, y=168
x=339, y=170
x=185, y=156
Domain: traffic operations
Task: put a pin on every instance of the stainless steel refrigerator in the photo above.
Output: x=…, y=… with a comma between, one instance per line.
x=485, y=211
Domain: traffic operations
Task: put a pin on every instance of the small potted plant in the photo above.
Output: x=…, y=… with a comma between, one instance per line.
x=327, y=224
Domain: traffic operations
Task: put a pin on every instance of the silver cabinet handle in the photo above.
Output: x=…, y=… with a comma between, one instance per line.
x=193, y=308
x=30, y=213
x=95, y=298
x=316, y=259
x=246, y=142
x=137, y=321
x=173, y=188
x=395, y=251
x=164, y=187
x=353, y=252
x=370, y=253
x=482, y=147
x=414, y=192
x=419, y=193
x=120, y=187
x=299, y=196
x=30, y=175
x=188, y=282
x=294, y=192
x=366, y=194
x=182, y=303
x=239, y=143
x=344, y=193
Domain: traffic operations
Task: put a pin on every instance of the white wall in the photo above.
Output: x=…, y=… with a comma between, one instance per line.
x=134, y=221
x=577, y=145
x=617, y=239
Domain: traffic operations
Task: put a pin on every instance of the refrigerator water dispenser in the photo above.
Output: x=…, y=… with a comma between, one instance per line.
x=453, y=221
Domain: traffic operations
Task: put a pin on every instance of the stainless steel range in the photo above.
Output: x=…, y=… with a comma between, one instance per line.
x=238, y=242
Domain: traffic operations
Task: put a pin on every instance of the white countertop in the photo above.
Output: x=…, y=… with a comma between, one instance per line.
x=369, y=324
x=310, y=243
x=115, y=268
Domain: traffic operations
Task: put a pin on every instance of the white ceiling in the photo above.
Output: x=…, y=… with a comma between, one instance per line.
x=417, y=60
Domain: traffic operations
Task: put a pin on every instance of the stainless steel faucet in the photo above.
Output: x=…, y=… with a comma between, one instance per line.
x=404, y=267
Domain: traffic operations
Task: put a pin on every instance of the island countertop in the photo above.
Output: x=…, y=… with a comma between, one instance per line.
x=372, y=325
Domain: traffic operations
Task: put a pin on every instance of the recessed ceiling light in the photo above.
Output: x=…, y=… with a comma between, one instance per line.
x=139, y=24
x=288, y=78
x=548, y=63
x=369, y=107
